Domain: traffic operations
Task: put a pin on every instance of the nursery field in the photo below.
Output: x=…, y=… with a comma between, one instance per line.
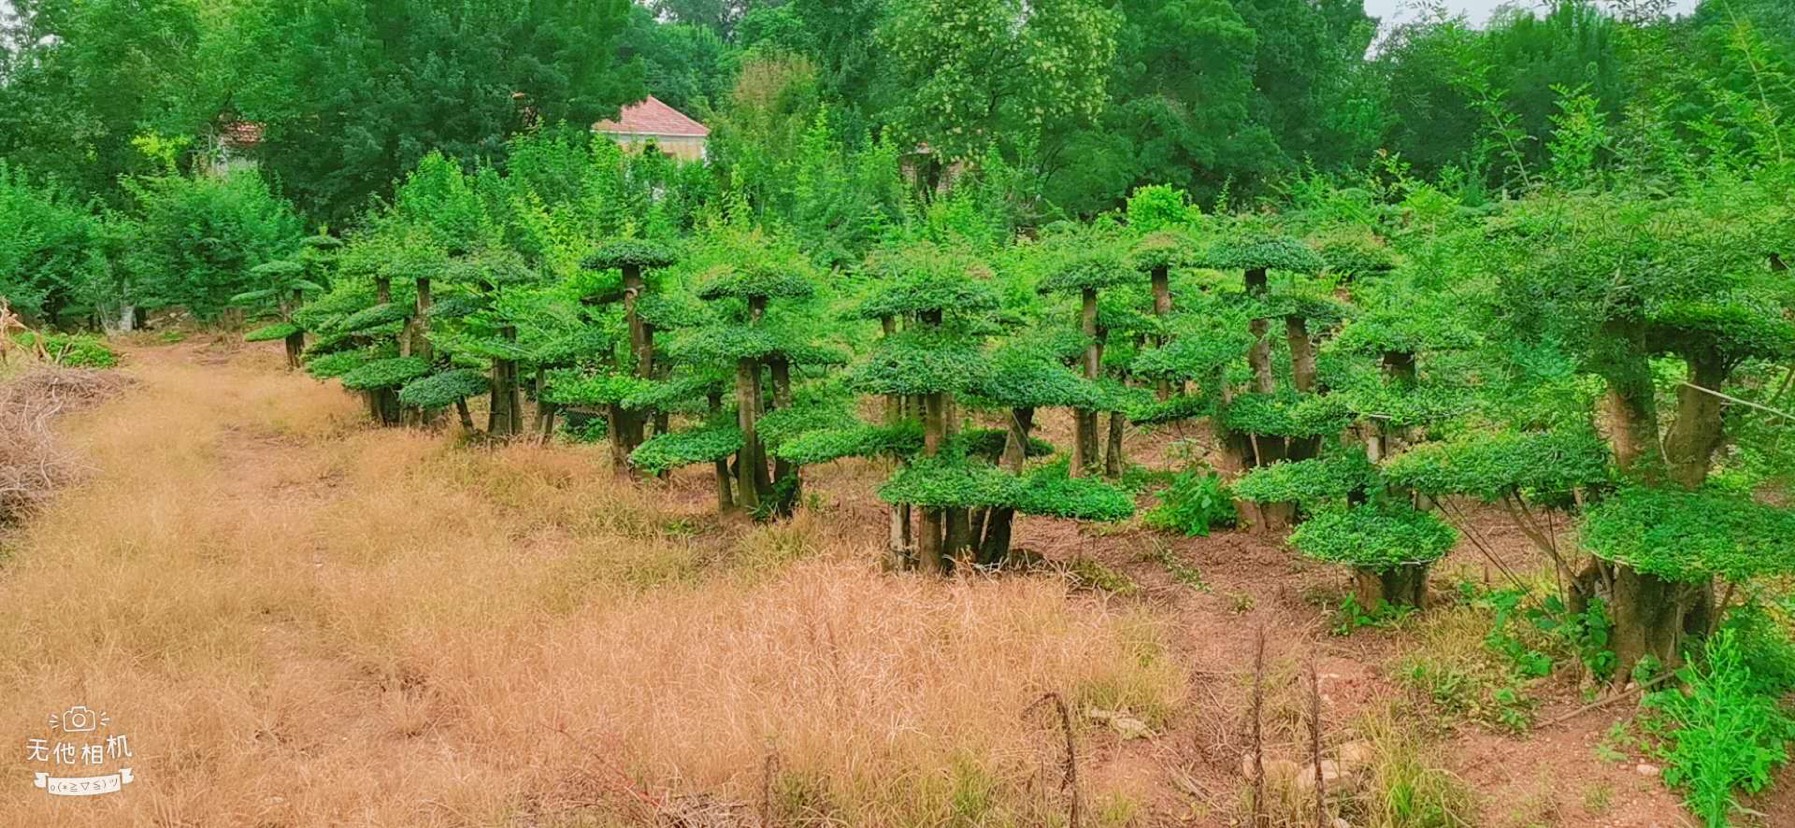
x=897, y=413
x=303, y=619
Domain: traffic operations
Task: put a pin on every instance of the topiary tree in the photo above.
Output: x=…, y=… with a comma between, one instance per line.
x=284, y=287
x=1620, y=280
x=1390, y=547
x=1023, y=377
x=913, y=285
x=440, y=390
x=1662, y=549
x=758, y=327
x=635, y=262
x=1258, y=426
x=932, y=361
x=358, y=322
x=1083, y=264
x=496, y=299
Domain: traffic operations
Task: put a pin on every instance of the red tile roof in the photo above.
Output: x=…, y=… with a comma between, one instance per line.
x=241, y=133
x=651, y=117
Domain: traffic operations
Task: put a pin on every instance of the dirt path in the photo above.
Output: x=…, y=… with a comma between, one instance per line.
x=300, y=620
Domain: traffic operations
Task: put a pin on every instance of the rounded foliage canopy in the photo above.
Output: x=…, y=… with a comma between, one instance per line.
x=385, y=373
x=1682, y=535
x=1374, y=537
x=444, y=389
x=642, y=253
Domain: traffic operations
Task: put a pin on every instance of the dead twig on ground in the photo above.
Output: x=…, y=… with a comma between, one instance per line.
x=1069, y=770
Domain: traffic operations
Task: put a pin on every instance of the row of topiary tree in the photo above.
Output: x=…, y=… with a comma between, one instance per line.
x=1426, y=360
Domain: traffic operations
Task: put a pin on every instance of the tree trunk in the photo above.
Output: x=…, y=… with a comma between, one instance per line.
x=1085, y=455
x=1162, y=307
x=958, y=527
x=752, y=483
x=786, y=480
x=386, y=406
x=295, y=343
x=467, y=418
x=507, y=403
x=1302, y=354
x=931, y=527
x=929, y=541
x=1698, y=431
x=1259, y=356
x=383, y=289
x=899, y=542
x=1113, y=461
x=1650, y=615
x=725, y=499
x=631, y=425
x=1632, y=412
x=505, y=418
x=420, y=321
x=1402, y=586
x=994, y=547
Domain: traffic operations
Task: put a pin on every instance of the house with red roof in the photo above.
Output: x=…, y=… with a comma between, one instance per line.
x=653, y=123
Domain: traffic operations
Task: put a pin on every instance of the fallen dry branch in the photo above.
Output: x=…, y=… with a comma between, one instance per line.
x=33, y=463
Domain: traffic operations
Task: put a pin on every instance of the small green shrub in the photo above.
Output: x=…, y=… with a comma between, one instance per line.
x=1196, y=502
x=1720, y=734
x=73, y=350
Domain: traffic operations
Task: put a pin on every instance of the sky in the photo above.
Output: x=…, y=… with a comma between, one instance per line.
x=1395, y=11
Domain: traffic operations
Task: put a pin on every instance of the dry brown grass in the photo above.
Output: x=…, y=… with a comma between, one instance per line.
x=301, y=621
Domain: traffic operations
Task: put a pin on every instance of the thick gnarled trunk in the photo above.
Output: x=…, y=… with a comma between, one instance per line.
x=1698, y=431
x=1402, y=586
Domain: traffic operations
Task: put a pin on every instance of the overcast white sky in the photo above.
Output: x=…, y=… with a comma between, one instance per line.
x=1395, y=11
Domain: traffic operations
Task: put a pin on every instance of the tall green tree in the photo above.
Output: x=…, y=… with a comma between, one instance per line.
x=985, y=73
x=79, y=81
x=353, y=94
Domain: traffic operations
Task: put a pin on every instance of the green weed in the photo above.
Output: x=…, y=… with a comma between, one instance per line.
x=1720, y=734
x=1196, y=502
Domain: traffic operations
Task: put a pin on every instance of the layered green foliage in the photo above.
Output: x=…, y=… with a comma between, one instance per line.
x=443, y=389
x=384, y=373
x=1374, y=537
x=1312, y=483
x=1688, y=535
x=1490, y=464
x=665, y=452
x=954, y=483
x=272, y=332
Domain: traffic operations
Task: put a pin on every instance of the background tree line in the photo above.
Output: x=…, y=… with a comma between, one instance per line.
x=1062, y=108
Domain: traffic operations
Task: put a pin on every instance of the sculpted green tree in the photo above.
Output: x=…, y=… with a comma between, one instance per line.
x=1082, y=264
x=624, y=274
x=1272, y=420
x=763, y=328
x=939, y=296
x=1623, y=280
x=358, y=326
x=284, y=293
x=499, y=299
